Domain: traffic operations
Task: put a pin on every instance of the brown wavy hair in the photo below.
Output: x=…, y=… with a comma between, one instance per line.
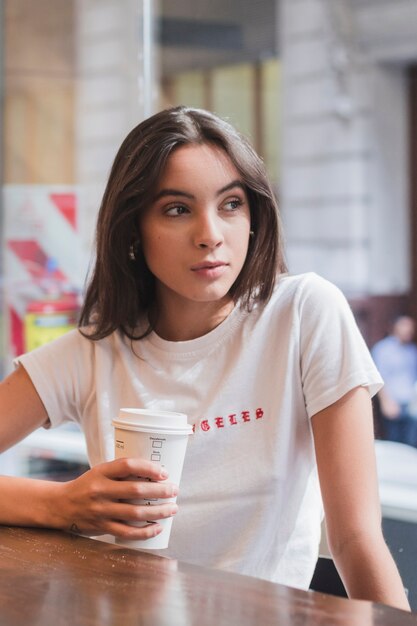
x=121, y=290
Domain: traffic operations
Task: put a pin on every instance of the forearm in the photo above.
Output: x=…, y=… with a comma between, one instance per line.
x=30, y=502
x=345, y=452
x=369, y=572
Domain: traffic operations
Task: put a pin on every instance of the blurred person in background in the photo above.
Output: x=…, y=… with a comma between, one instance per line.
x=396, y=358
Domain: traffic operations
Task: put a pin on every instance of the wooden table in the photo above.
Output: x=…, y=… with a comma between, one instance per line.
x=53, y=578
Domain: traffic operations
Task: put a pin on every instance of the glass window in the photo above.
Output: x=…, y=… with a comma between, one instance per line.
x=73, y=77
x=223, y=56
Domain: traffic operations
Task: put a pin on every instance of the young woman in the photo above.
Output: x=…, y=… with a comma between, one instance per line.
x=189, y=308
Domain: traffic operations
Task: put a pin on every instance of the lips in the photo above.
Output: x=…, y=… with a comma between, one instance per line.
x=207, y=265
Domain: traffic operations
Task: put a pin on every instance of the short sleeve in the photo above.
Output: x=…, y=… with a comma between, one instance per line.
x=61, y=375
x=334, y=356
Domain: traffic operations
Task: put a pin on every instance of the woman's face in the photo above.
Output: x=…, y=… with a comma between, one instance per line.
x=195, y=233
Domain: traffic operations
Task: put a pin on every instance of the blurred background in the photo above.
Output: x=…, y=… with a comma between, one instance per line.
x=326, y=90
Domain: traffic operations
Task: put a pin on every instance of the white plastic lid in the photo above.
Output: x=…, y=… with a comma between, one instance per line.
x=149, y=420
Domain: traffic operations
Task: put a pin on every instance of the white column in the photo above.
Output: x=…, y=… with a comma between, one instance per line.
x=114, y=74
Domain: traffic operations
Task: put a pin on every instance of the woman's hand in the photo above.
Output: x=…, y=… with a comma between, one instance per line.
x=100, y=501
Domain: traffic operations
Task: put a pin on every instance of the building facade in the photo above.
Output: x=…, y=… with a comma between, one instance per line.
x=348, y=149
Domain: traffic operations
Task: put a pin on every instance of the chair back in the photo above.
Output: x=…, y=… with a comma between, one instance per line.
x=326, y=578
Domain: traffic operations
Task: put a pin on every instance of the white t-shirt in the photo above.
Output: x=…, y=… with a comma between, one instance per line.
x=249, y=498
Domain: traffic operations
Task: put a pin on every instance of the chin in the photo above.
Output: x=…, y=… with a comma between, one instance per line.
x=215, y=296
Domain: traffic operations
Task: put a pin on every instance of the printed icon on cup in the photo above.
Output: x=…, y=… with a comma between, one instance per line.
x=162, y=437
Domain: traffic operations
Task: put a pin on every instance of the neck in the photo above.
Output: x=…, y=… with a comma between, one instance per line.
x=189, y=321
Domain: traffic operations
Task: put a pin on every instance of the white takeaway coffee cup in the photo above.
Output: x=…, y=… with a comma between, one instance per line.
x=159, y=436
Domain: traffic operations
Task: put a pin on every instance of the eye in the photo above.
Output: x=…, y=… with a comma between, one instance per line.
x=176, y=210
x=233, y=204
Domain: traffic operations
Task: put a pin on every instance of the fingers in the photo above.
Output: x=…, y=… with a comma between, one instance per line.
x=139, y=490
x=128, y=512
x=123, y=531
x=119, y=519
x=146, y=487
x=110, y=496
x=123, y=468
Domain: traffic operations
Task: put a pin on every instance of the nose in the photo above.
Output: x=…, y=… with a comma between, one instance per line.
x=208, y=232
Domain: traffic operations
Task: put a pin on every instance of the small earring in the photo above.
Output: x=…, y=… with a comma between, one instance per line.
x=251, y=233
x=132, y=255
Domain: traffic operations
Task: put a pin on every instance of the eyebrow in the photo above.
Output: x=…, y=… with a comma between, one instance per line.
x=178, y=193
